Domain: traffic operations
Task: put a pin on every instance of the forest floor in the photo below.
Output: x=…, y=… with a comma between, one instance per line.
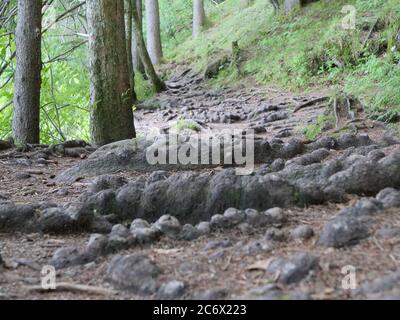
x=228, y=262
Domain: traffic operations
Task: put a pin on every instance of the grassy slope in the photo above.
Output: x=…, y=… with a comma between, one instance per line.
x=308, y=48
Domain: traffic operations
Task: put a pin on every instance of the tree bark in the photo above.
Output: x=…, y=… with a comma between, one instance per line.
x=136, y=60
x=128, y=30
x=276, y=5
x=153, y=31
x=110, y=94
x=144, y=54
x=199, y=17
x=289, y=5
x=27, y=83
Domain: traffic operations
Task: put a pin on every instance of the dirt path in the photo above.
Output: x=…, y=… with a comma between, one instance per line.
x=290, y=253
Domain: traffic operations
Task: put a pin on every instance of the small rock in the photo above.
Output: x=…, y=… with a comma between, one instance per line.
x=168, y=225
x=294, y=269
x=271, y=292
x=117, y=243
x=219, y=221
x=187, y=268
x=257, y=247
x=234, y=216
x=278, y=165
x=389, y=197
x=366, y=207
x=22, y=176
x=218, y=256
x=382, y=284
x=211, y=294
x=145, y=235
x=100, y=225
x=189, y=233
x=376, y=155
x=136, y=273
x=54, y=220
x=343, y=231
x=274, y=234
x=97, y=245
x=302, y=233
x=67, y=257
x=275, y=216
x=157, y=176
x=139, y=224
x=204, y=228
x=106, y=182
x=214, y=244
x=121, y=231
x=171, y=290
x=80, y=212
x=255, y=218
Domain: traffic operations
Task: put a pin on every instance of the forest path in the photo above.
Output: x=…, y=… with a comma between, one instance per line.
x=293, y=252
x=268, y=111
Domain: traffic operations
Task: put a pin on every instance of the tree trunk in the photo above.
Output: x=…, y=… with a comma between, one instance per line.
x=27, y=74
x=199, y=17
x=289, y=5
x=144, y=55
x=128, y=30
x=136, y=60
x=110, y=94
x=276, y=5
x=153, y=31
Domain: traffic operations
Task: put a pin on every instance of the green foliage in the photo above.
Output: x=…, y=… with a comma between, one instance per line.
x=308, y=48
x=7, y=46
x=186, y=124
x=65, y=82
x=176, y=23
x=143, y=88
x=312, y=131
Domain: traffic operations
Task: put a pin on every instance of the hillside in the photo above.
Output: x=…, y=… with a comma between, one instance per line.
x=306, y=49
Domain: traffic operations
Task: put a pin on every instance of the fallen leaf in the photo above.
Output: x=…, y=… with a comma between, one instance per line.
x=260, y=265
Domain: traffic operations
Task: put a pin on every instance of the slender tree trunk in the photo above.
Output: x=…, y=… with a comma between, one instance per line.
x=199, y=17
x=110, y=94
x=153, y=31
x=289, y=5
x=27, y=74
x=144, y=55
x=128, y=29
x=136, y=60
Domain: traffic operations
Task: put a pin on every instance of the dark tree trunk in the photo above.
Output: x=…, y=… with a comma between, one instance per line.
x=128, y=29
x=110, y=94
x=136, y=60
x=27, y=74
x=144, y=55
